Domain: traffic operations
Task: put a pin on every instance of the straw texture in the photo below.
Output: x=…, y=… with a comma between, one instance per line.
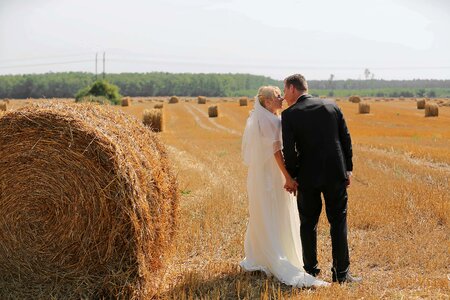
x=88, y=203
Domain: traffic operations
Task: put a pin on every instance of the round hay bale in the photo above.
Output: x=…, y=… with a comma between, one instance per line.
x=153, y=118
x=354, y=99
x=160, y=106
x=2, y=106
x=421, y=104
x=201, y=100
x=431, y=110
x=213, y=111
x=126, y=101
x=173, y=100
x=88, y=204
x=243, y=102
x=364, y=108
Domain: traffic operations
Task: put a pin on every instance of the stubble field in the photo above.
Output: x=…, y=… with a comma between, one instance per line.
x=399, y=204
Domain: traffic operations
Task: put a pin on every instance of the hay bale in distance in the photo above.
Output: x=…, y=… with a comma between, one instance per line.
x=213, y=111
x=126, y=101
x=421, y=104
x=431, y=110
x=201, y=100
x=364, y=108
x=174, y=99
x=2, y=106
x=89, y=200
x=354, y=99
x=159, y=105
x=243, y=102
x=153, y=118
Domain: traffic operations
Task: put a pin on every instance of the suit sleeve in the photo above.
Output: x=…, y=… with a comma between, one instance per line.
x=289, y=150
x=345, y=139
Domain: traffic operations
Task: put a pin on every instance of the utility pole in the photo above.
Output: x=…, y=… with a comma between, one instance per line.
x=96, y=55
x=103, y=65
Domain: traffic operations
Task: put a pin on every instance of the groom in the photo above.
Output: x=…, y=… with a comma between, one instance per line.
x=317, y=151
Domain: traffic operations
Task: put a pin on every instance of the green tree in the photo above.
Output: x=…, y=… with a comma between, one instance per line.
x=100, y=88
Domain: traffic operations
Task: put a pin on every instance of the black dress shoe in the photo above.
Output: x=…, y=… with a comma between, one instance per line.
x=347, y=279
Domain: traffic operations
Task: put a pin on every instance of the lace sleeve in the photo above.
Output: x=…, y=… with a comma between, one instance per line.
x=277, y=146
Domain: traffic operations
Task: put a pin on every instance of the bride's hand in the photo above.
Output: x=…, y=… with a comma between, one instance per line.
x=291, y=185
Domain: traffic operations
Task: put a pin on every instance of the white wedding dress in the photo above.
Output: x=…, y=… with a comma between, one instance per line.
x=272, y=241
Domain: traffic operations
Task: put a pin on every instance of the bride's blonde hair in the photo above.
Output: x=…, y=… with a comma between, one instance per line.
x=267, y=92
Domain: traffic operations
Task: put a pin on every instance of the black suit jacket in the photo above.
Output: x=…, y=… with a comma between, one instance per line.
x=317, y=147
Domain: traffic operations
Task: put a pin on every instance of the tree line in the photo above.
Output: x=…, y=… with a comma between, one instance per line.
x=66, y=85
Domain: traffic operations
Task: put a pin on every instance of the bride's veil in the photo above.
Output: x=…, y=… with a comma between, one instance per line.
x=262, y=136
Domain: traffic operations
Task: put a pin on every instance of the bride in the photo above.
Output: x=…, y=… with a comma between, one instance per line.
x=272, y=241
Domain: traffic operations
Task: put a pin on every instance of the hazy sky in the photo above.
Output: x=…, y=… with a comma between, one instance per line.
x=395, y=39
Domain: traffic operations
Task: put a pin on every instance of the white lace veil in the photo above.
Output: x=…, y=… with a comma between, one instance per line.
x=262, y=136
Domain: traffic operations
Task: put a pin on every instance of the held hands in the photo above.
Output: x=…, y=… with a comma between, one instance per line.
x=349, y=178
x=291, y=185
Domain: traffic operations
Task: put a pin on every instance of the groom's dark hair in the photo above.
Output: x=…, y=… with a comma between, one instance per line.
x=298, y=81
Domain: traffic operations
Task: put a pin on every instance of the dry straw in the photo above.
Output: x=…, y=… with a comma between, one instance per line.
x=174, y=99
x=421, y=104
x=243, y=102
x=364, y=108
x=126, y=101
x=354, y=99
x=153, y=118
x=88, y=204
x=201, y=100
x=213, y=111
x=2, y=106
x=160, y=106
x=431, y=110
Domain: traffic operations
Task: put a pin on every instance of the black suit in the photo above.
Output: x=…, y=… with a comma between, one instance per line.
x=318, y=153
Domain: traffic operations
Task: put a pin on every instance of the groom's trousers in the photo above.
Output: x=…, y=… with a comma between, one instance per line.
x=309, y=204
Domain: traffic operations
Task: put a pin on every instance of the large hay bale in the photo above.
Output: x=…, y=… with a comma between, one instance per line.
x=126, y=101
x=243, y=102
x=201, y=100
x=213, y=111
x=153, y=118
x=2, y=106
x=364, y=108
x=421, y=104
x=174, y=99
x=88, y=204
x=431, y=110
x=160, y=106
x=354, y=99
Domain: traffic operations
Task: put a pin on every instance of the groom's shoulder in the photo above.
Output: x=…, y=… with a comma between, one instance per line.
x=325, y=102
x=287, y=111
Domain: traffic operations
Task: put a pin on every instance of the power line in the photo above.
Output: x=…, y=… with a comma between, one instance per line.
x=44, y=57
x=45, y=64
x=160, y=61
x=272, y=66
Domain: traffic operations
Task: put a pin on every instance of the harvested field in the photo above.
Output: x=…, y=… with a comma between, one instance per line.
x=398, y=205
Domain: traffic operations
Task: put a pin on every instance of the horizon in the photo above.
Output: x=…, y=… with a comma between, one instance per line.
x=215, y=73
x=394, y=40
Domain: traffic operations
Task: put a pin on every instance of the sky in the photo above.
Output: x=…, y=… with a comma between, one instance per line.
x=394, y=39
